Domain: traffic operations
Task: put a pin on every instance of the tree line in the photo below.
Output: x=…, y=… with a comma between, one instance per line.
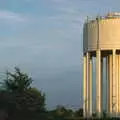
x=20, y=101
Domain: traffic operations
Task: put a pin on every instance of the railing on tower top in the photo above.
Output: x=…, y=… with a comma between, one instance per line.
x=108, y=16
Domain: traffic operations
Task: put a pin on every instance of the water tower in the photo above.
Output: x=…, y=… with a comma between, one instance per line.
x=101, y=40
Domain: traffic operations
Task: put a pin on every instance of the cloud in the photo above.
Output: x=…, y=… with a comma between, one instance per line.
x=28, y=0
x=68, y=12
x=11, y=16
x=70, y=17
x=59, y=1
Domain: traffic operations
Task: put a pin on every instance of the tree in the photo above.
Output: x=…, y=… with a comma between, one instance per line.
x=19, y=98
x=17, y=81
x=60, y=113
x=79, y=112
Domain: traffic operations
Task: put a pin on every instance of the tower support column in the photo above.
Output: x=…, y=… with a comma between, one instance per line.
x=119, y=83
x=85, y=87
x=90, y=86
x=98, y=83
x=88, y=83
x=110, y=85
x=114, y=97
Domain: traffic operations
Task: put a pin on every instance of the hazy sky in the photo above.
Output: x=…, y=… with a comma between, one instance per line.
x=44, y=38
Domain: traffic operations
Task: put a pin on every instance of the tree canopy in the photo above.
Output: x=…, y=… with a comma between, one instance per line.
x=17, y=81
x=19, y=98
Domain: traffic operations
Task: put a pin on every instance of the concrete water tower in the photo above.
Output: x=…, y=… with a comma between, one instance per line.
x=101, y=40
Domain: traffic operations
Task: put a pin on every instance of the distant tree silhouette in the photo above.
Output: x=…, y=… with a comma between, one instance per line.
x=79, y=112
x=17, y=81
x=19, y=99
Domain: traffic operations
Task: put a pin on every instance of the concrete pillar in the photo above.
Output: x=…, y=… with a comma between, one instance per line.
x=102, y=84
x=88, y=82
x=110, y=84
x=98, y=83
x=106, y=79
x=85, y=87
x=119, y=83
x=90, y=86
x=114, y=104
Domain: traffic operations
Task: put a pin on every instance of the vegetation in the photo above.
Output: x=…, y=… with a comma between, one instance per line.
x=20, y=101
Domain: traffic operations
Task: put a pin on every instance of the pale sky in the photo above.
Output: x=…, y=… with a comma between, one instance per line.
x=44, y=38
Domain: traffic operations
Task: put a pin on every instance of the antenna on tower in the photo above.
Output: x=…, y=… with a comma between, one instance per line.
x=87, y=19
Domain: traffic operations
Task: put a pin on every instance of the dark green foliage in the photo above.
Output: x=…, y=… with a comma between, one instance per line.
x=22, y=105
x=17, y=81
x=94, y=115
x=104, y=114
x=60, y=113
x=19, y=99
x=79, y=113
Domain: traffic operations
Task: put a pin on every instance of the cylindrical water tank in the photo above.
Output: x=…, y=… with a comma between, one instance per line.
x=103, y=33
